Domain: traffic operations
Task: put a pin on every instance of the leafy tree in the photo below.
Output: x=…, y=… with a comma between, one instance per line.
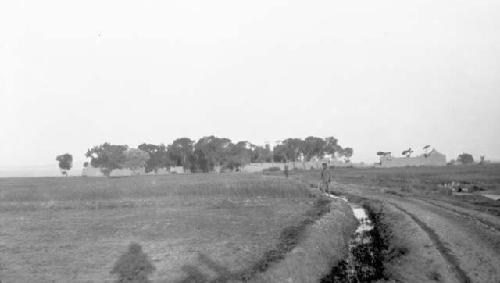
x=181, y=153
x=279, y=153
x=135, y=158
x=332, y=146
x=267, y=155
x=313, y=147
x=465, y=158
x=348, y=151
x=208, y=152
x=134, y=266
x=289, y=150
x=158, y=157
x=107, y=157
x=211, y=151
x=238, y=155
x=261, y=154
x=294, y=148
x=65, y=163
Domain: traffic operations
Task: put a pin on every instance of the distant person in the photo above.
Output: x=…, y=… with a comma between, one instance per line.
x=326, y=178
x=286, y=170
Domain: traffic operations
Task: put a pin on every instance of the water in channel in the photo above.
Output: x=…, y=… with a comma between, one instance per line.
x=362, y=263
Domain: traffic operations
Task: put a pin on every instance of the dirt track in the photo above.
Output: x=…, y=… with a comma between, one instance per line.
x=457, y=244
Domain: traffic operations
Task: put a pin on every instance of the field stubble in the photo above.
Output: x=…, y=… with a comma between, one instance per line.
x=198, y=226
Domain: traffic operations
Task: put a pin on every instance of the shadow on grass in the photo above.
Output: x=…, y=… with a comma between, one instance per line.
x=194, y=273
x=288, y=240
x=133, y=266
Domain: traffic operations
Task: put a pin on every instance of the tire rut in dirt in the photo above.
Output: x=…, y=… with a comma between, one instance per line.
x=443, y=250
x=486, y=224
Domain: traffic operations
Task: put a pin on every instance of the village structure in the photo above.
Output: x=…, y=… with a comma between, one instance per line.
x=301, y=164
x=433, y=158
x=89, y=171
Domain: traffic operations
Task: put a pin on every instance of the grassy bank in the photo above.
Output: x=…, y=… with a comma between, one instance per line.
x=323, y=245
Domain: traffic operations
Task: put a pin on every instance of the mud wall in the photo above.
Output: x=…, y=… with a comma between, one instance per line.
x=307, y=165
x=96, y=172
x=430, y=160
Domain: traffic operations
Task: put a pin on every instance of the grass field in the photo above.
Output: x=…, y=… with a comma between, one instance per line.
x=193, y=227
x=420, y=179
x=424, y=181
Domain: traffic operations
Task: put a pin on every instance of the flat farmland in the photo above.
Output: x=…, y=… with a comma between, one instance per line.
x=428, y=181
x=192, y=227
x=430, y=235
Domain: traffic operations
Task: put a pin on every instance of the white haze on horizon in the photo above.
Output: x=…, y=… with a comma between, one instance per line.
x=378, y=75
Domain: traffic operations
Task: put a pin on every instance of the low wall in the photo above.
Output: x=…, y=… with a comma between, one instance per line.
x=307, y=165
x=161, y=171
x=177, y=170
x=259, y=167
x=432, y=160
x=96, y=172
x=249, y=168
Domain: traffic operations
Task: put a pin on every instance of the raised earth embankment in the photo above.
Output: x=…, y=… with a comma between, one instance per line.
x=323, y=245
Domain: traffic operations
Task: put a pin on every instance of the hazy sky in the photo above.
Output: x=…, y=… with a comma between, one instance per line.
x=378, y=75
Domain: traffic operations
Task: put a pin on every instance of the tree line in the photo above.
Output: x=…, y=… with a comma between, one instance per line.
x=210, y=152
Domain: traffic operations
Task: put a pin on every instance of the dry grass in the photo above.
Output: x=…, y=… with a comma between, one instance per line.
x=197, y=227
x=95, y=189
x=416, y=179
x=423, y=181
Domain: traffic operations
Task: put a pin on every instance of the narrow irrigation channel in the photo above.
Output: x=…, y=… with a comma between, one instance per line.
x=364, y=262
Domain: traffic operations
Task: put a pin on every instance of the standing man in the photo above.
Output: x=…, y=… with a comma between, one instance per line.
x=326, y=178
x=286, y=170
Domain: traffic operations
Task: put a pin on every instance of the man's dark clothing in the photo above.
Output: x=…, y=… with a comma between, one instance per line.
x=326, y=178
